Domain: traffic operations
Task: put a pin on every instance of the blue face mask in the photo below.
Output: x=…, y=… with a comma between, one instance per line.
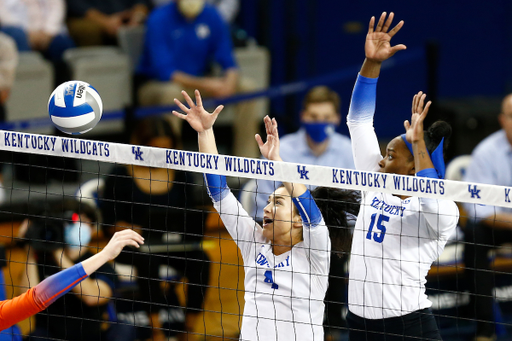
x=77, y=234
x=319, y=131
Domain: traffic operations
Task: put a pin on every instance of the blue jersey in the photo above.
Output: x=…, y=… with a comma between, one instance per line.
x=174, y=43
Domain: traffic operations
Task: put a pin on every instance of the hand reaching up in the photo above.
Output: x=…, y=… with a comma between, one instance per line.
x=414, y=130
x=270, y=149
x=199, y=119
x=378, y=40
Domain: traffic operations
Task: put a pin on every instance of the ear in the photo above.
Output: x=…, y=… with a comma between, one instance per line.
x=501, y=119
x=296, y=221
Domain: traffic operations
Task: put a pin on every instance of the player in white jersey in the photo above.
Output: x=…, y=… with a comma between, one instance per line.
x=286, y=260
x=396, y=238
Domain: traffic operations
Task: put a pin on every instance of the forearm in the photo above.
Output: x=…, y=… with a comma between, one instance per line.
x=370, y=69
x=92, y=292
x=188, y=81
x=96, y=16
x=206, y=142
x=421, y=158
x=499, y=221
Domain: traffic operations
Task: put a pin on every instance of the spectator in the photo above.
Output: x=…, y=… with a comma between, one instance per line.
x=196, y=28
x=488, y=227
x=128, y=191
x=77, y=315
x=228, y=9
x=8, y=64
x=37, y=25
x=96, y=22
x=317, y=143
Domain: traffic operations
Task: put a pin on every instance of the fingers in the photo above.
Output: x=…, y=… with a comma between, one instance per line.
x=199, y=100
x=388, y=22
x=421, y=101
x=189, y=100
x=425, y=111
x=397, y=48
x=396, y=28
x=268, y=125
x=259, y=140
x=381, y=22
x=370, y=26
x=217, y=111
x=181, y=105
x=407, y=125
x=177, y=114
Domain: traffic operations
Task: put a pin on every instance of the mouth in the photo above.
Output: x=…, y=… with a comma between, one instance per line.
x=267, y=221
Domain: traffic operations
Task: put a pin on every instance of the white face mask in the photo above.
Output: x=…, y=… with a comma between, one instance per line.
x=191, y=8
x=77, y=234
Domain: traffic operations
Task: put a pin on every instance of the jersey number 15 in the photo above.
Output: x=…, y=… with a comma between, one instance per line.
x=377, y=236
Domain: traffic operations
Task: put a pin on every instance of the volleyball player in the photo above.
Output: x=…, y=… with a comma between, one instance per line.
x=48, y=291
x=396, y=238
x=286, y=260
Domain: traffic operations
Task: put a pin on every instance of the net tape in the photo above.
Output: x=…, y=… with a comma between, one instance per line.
x=234, y=166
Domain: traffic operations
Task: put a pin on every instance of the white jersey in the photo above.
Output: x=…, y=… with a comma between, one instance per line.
x=395, y=241
x=284, y=294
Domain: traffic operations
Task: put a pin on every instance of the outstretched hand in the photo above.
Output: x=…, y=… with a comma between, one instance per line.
x=199, y=119
x=121, y=239
x=414, y=130
x=270, y=149
x=378, y=47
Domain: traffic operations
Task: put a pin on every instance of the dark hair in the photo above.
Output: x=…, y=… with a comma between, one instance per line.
x=149, y=128
x=338, y=208
x=435, y=134
x=322, y=94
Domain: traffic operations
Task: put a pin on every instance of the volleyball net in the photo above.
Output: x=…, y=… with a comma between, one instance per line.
x=189, y=275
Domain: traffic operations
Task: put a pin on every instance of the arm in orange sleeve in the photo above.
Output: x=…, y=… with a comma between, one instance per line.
x=40, y=297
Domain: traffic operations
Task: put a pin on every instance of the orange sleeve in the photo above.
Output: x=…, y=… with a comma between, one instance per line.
x=18, y=309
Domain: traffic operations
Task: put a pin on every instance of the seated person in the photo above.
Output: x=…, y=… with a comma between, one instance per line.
x=96, y=22
x=59, y=242
x=37, y=26
x=182, y=39
x=156, y=201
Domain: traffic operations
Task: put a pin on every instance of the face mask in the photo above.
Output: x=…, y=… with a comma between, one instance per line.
x=319, y=131
x=77, y=234
x=191, y=8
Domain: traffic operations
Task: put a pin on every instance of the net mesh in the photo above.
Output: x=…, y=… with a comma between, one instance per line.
x=188, y=278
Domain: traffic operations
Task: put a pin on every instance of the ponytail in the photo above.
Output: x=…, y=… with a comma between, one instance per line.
x=339, y=209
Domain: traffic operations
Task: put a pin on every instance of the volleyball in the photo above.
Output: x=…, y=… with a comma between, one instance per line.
x=75, y=107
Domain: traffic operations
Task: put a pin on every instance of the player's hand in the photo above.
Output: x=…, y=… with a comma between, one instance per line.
x=199, y=119
x=121, y=239
x=270, y=149
x=378, y=47
x=414, y=130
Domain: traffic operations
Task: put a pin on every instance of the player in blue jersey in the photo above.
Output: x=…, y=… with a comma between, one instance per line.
x=48, y=291
x=286, y=260
x=392, y=253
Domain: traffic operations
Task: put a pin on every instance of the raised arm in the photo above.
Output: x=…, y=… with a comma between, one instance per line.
x=365, y=145
x=301, y=197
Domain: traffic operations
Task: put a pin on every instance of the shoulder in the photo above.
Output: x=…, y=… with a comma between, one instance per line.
x=341, y=141
x=491, y=144
x=161, y=14
x=211, y=14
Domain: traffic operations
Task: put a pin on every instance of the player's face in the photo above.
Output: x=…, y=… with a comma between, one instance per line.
x=320, y=112
x=398, y=159
x=280, y=216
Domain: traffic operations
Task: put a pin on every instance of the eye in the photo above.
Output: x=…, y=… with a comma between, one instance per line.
x=390, y=157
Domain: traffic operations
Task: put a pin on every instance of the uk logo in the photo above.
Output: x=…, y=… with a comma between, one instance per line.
x=303, y=172
x=138, y=153
x=475, y=193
